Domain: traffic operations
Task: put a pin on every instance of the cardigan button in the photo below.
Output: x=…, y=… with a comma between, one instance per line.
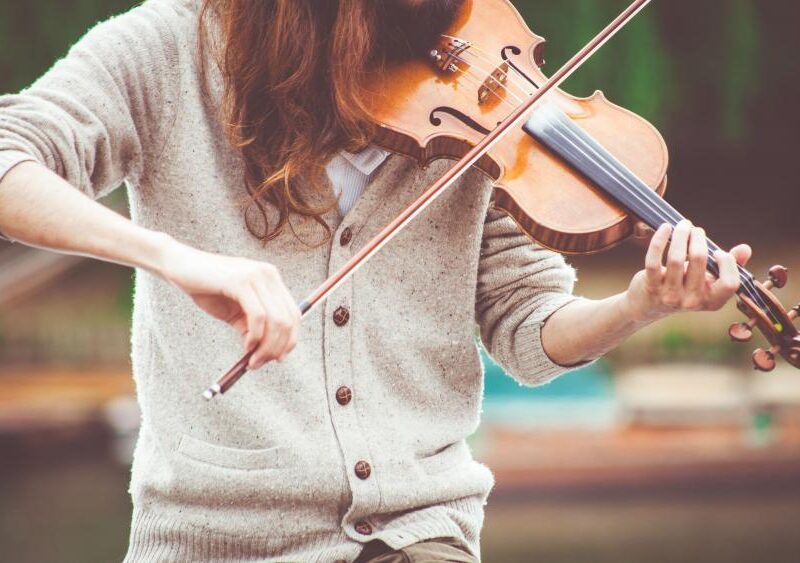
x=363, y=528
x=363, y=470
x=344, y=395
x=346, y=236
x=341, y=315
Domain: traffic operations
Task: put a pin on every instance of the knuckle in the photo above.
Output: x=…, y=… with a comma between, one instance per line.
x=698, y=255
x=675, y=262
x=731, y=286
x=652, y=264
x=238, y=282
x=270, y=273
x=671, y=299
x=692, y=303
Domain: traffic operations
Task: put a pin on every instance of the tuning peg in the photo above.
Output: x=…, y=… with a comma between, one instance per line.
x=742, y=332
x=778, y=276
x=764, y=360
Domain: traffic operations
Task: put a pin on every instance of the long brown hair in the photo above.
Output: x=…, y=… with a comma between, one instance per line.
x=294, y=73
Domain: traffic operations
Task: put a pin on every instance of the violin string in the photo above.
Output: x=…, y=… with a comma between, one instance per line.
x=475, y=81
x=659, y=204
x=475, y=50
x=510, y=78
x=662, y=212
x=524, y=78
x=500, y=85
x=513, y=79
x=646, y=197
x=744, y=276
x=662, y=215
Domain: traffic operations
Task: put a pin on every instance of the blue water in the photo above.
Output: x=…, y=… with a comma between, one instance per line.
x=593, y=381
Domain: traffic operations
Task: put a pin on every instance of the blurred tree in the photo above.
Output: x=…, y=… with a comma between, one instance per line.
x=741, y=78
x=34, y=33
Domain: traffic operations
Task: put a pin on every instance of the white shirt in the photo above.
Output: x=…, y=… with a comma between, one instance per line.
x=349, y=174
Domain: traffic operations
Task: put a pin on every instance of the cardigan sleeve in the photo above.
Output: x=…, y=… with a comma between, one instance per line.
x=520, y=284
x=95, y=114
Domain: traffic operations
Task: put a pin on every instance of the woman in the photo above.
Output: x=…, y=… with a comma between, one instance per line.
x=240, y=131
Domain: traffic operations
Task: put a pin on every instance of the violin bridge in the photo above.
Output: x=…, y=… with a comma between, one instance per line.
x=494, y=84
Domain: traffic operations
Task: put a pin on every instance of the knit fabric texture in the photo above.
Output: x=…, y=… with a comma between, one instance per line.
x=267, y=472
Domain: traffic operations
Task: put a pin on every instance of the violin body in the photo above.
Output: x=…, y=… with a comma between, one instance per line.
x=441, y=108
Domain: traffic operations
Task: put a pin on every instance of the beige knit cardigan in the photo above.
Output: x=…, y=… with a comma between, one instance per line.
x=268, y=471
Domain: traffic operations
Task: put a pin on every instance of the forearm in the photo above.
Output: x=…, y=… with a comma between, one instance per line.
x=587, y=329
x=39, y=208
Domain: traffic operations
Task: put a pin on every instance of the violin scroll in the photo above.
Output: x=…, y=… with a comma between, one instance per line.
x=773, y=321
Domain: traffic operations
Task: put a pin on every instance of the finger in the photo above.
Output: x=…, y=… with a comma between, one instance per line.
x=296, y=317
x=642, y=230
x=694, y=283
x=728, y=282
x=240, y=324
x=293, y=322
x=676, y=263
x=291, y=319
x=274, y=345
x=255, y=315
x=655, y=253
x=291, y=342
x=742, y=253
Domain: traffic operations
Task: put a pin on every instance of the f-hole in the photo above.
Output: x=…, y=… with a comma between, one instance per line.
x=516, y=51
x=461, y=116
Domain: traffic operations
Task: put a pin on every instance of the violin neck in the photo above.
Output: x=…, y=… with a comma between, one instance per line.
x=551, y=127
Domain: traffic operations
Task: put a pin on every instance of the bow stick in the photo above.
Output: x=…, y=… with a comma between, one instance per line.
x=225, y=382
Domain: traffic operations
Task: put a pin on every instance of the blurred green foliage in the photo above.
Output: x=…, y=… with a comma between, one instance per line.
x=34, y=33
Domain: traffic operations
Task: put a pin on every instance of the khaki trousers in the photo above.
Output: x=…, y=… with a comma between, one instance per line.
x=429, y=551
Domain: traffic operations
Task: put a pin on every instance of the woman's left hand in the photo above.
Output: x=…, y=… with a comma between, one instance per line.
x=683, y=284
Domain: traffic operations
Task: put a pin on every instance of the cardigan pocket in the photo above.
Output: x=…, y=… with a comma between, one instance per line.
x=446, y=458
x=229, y=458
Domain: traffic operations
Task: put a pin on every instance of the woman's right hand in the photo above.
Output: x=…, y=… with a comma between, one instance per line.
x=247, y=294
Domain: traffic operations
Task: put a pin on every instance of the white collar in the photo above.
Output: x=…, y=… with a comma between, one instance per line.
x=367, y=160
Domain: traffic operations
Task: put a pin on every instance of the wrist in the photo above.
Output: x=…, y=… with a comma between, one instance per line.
x=159, y=248
x=635, y=309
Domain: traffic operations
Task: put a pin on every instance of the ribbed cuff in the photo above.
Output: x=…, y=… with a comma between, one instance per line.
x=157, y=538
x=10, y=158
x=539, y=367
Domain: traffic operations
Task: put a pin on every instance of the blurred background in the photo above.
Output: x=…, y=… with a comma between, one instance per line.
x=670, y=449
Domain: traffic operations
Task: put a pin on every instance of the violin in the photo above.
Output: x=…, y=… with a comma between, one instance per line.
x=575, y=174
